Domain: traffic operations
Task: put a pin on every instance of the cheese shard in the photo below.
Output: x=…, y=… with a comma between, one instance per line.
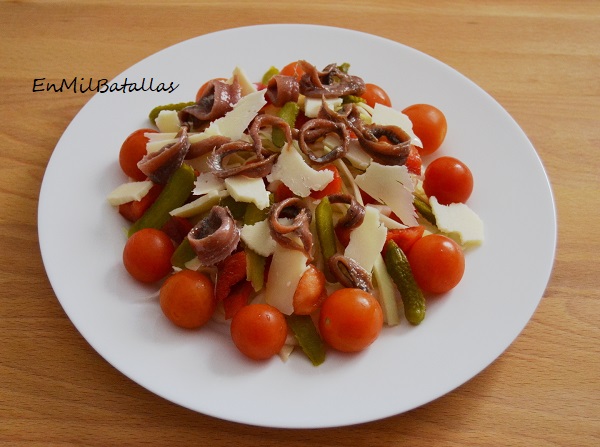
x=292, y=170
x=168, y=121
x=236, y=121
x=312, y=106
x=258, y=238
x=367, y=240
x=458, y=219
x=246, y=85
x=129, y=192
x=156, y=141
x=287, y=267
x=392, y=186
x=386, y=116
x=201, y=205
x=207, y=182
x=248, y=190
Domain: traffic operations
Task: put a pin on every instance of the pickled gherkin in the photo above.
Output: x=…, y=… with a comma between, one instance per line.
x=399, y=269
x=176, y=107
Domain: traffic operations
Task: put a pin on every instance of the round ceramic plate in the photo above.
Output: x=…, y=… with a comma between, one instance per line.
x=81, y=239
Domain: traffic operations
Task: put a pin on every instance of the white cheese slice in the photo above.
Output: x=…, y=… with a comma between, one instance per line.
x=356, y=156
x=293, y=171
x=458, y=219
x=386, y=292
x=248, y=190
x=258, y=238
x=367, y=240
x=200, y=205
x=168, y=121
x=245, y=83
x=236, y=121
x=313, y=105
x=207, y=182
x=386, y=116
x=156, y=141
x=129, y=192
x=392, y=186
x=287, y=267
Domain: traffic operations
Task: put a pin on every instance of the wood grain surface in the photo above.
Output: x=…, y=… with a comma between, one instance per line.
x=539, y=59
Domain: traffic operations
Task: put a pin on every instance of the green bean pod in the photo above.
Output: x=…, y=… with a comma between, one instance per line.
x=325, y=230
x=289, y=113
x=399, y=269
x=174, y=194
x=308, y=337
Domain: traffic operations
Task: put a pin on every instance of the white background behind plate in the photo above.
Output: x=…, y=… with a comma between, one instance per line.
x=81, y=239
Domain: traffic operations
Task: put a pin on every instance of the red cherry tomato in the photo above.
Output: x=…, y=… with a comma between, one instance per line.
x=147, y=255
x=258, y=331
x=429, y=124
x=376, y=95
x=293, y=69
x=437, y=263
x=187, y=299
x=449, y=180
x=132, y=151
x=350, y=320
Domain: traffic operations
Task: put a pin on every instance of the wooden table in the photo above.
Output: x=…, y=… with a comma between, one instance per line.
x=540, y=61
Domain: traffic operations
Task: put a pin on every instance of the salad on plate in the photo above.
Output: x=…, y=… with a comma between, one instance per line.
x=296, y=210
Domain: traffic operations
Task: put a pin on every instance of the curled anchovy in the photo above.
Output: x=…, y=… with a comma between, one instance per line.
x=392, y=151
x=218, y=98
x=395, y=151
x=317, y=128
x=206, y=146
x=331, y=82
x=282, y=89
x=255, y=167
x=159, y=165
x=354, y=215
x=295, y=209
x=350, y=274
x=214, y=237
x=267, y=120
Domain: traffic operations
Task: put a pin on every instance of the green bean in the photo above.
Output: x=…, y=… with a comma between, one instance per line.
x=174, y=194
x=306, y=333
x=289, y=113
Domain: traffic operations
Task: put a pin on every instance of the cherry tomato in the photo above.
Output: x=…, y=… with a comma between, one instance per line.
x=449, y=180
x=350, y=320
x=147, y=255
x=437, y=263
x=293, y=69
x=187, y=299
x=429, y=124
x=376, y=95
x=258, y=331
x=132, y=151
x=310, y=291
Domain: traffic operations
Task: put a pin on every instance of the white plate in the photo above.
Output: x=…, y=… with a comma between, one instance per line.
x=81, y=241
